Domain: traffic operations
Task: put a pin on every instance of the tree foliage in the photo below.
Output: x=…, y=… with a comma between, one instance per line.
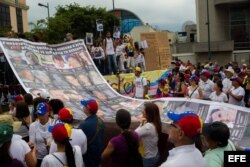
x=74, y=19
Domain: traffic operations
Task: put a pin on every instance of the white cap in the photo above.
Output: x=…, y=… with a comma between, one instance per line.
x=44, y=95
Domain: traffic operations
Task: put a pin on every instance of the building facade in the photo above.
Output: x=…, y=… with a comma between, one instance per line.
x=13, y=13
x=229, y=22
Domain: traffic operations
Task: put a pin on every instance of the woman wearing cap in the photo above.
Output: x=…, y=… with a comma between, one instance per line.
x=227, y=83
x=77, y=136
x=23, y=115
x=237, y=93
x=194, y=91
x=6, y=133
x=66, y=155
x=149, y=132
x=123, y=148
x=38, y=132
x=162, y=90
x=218, y=95
x=216, y=138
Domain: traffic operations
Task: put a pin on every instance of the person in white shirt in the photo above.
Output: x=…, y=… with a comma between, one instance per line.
x=194, y=91
x=139, y=60
x=149, y=132
x=141, y=87
x=186, y=127
x=237, y=93
x=38, y=132
x=109, y=50
x=19, y=149
x=118, y=53
x=218, y=95
x=206, y=84
x=98, y=56
x=227, y=84
x=66, y=155
x=77, y=137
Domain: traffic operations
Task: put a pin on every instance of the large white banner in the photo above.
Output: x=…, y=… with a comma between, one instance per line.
x=66, y=71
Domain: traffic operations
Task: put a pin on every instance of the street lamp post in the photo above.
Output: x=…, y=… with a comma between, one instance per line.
x=46, y=6
x=208, y=33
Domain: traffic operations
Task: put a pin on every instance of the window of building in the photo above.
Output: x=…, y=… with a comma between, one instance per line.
x=240, y=26
x=4, y=15
x=19, y=19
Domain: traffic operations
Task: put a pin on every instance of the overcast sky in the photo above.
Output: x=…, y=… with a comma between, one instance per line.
x=165, y=14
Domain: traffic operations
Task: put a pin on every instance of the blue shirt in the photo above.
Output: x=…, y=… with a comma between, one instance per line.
x=92, y=158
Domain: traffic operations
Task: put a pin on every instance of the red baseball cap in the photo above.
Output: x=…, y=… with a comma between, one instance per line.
x=189, y=122
x=61, y=132
x=65, y=115
x=91, y=104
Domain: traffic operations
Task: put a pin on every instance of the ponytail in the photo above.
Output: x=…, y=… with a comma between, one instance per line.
x=69, y=154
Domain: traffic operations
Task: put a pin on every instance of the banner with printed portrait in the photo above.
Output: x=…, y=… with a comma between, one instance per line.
x=67, y=72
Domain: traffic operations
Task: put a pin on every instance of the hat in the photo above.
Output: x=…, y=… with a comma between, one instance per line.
x=187, y=76
x=6, y=133
x=60, y=132
x=162, y=81
x=194, y=78
x=229, y=70
x=205, y=73
x=138, y=69
x=242, y=74
x=91, y=104
x=19, y=98
x=217, y=131
x=7, y=119
x=44, y=95
x=189, y=122
x=65, y=115
x=42, y=108
x=238, y=79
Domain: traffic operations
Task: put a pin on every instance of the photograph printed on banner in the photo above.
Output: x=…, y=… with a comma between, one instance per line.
x=72, y=80
x=58, y=94
x=84, y=57
x=84, y=79
x=42, y=77
x=27, y=75
x=18, y=61
x=182, y=106
x=32, y=58
x=73, y=95
x=59, y=62
x=58, y=80
x=222, y=114
x=73, y=61
x=96, y=78
x=99, y=95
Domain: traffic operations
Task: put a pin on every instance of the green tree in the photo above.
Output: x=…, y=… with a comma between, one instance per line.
x=77, y=20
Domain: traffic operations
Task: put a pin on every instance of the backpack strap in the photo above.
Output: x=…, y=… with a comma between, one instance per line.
x=99, y=123
x=58, y=159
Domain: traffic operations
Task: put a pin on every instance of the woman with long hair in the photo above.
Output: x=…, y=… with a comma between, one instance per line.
x=23, y=115
x=123, y=148
x=194, y=91
x=66, y=155
x=149, y=132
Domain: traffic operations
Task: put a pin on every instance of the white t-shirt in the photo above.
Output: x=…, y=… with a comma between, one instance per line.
x=109, y=46
x=78, y=138
x=39, y=135
x=19, y=148
x=207, y=88
x=140, y=82
x=51, y=161
x=184, y=156
x=98, y=52
x=237, y=92
x=227, y=84
x=118, y=50
x=221, y=98
x=149, y=137
x=195, y=94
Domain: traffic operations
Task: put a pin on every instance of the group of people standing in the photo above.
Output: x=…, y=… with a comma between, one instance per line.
x=116, y=55
x=228, y=84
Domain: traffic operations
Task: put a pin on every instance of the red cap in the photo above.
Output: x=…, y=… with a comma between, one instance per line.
x=91, y=104
x=205, y=73
x=65, y=115
x=61, y=132
x=187, y=76
x=19, y=98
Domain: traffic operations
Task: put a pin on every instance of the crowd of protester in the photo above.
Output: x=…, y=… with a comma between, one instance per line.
x=41, y=132
x=227, y=84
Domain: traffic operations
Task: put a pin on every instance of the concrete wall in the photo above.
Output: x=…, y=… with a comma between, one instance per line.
x=25, y=20
x=219, y=21
x=221, y=57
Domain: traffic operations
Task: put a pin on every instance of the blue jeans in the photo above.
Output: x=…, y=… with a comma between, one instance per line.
x=151, y=162
x=111, y=64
